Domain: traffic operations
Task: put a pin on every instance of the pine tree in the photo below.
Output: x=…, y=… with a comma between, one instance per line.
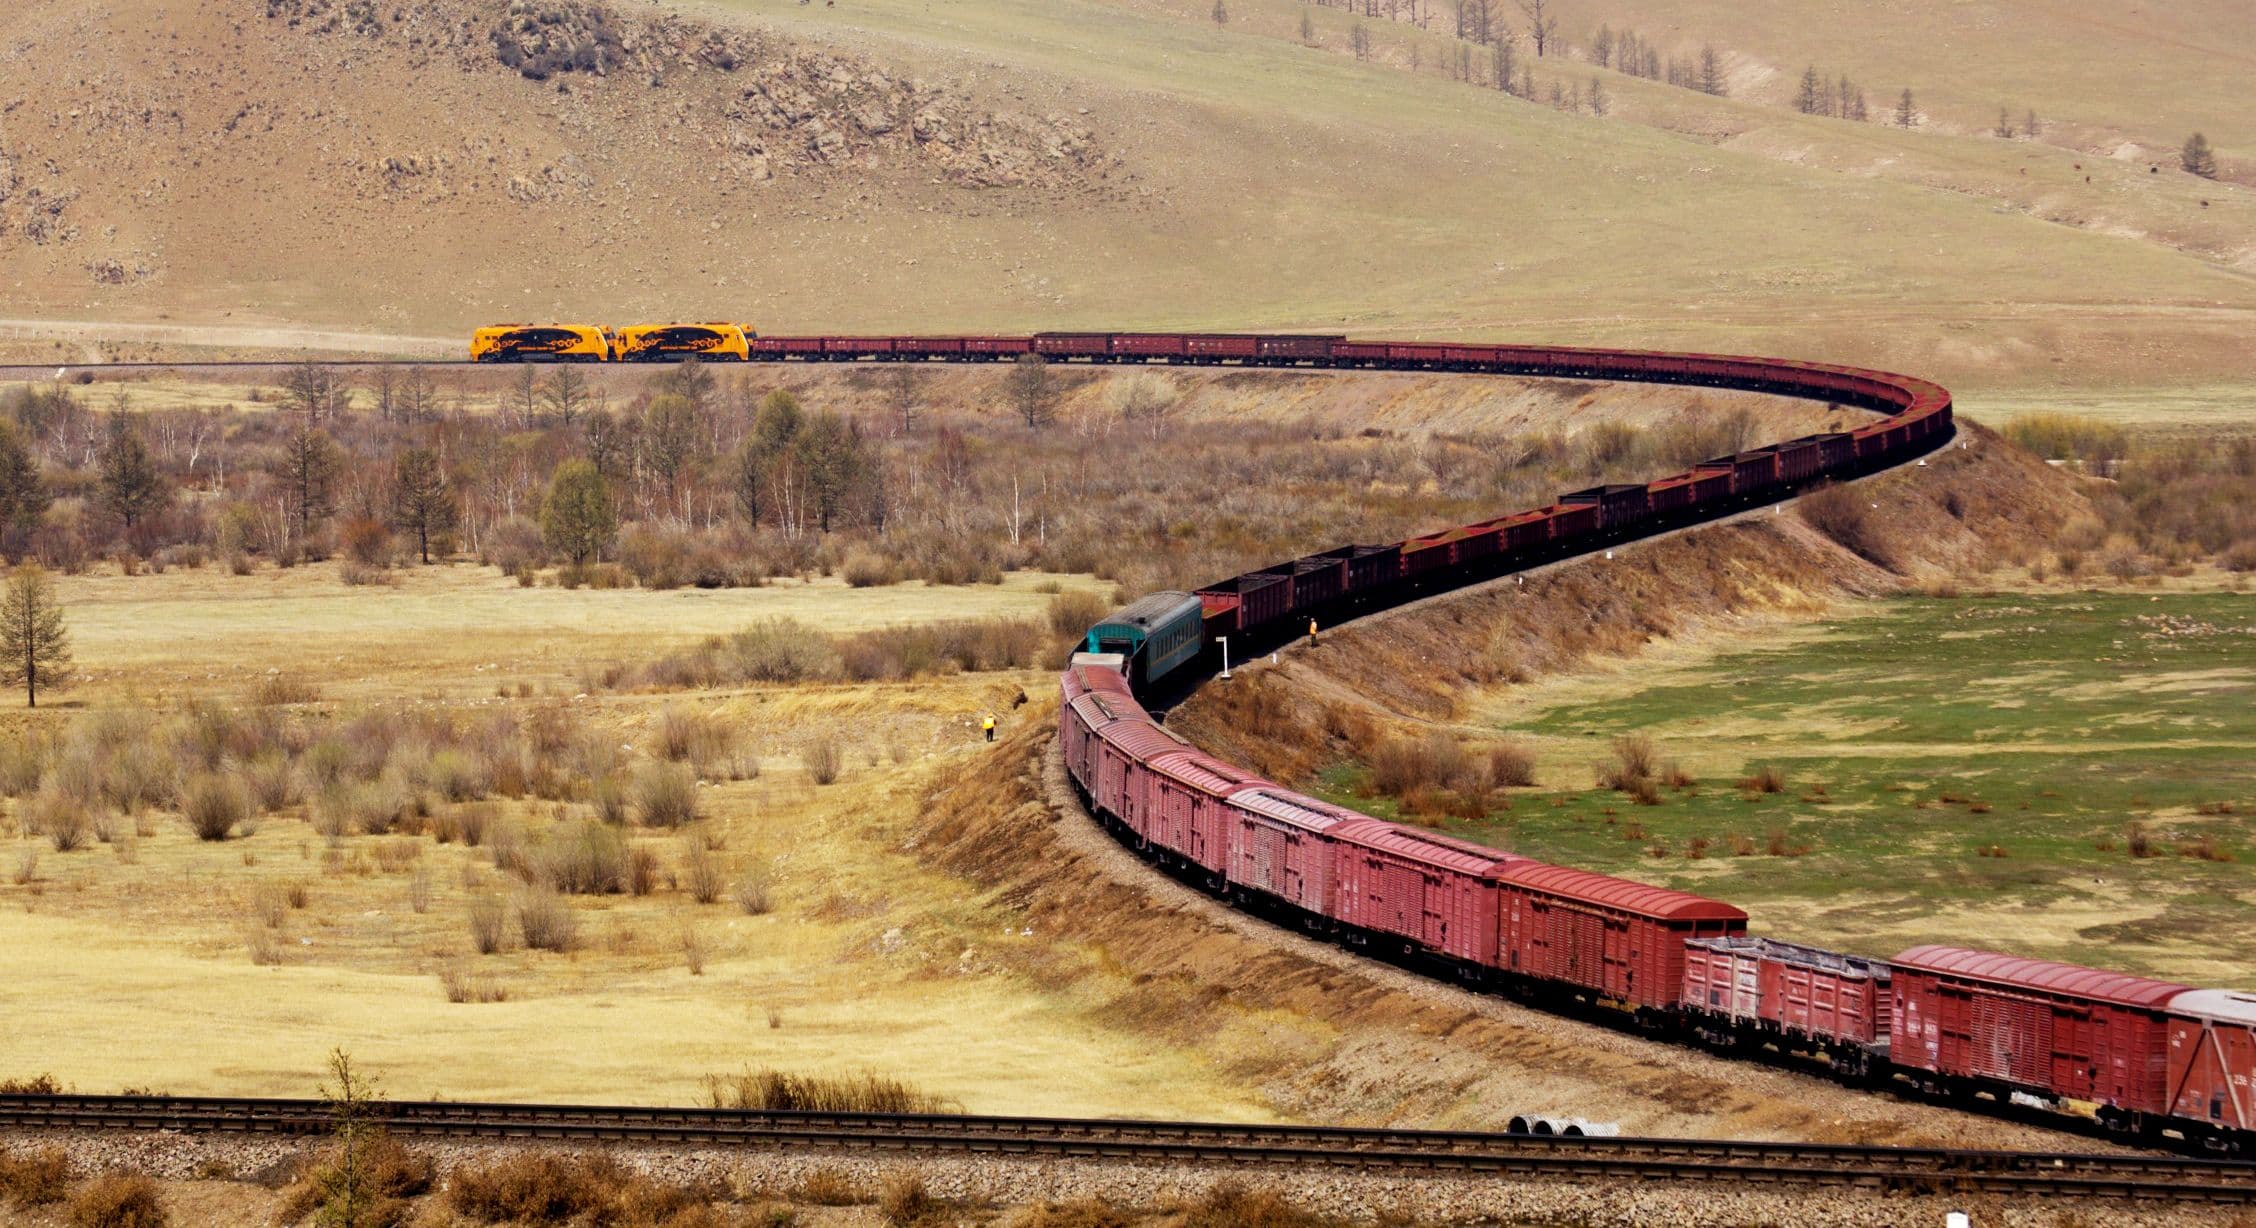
x=1221, y=14
x=309, y=470
x=1598, y=100
x=2004, y=127
x=423, y=501
x=1307, y=27
x=23, y=495
x=1805, y=99
x=577, y=518
x=2197, y=158
x=1907, y=114
x=1711, y=72
x=131, y=485
x=2029, y=126
x=34, y=645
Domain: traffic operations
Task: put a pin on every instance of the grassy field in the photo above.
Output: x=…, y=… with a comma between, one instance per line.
x=151, y=958
x=1969, y=770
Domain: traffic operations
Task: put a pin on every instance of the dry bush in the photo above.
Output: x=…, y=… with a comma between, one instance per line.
x=642, y=871
x=489, y=924
x=2203, y=848
x=2139, y=844
x=904, y=1202
x=549, y=1187
x=666, y=795
x=35, y=1178
x=867, y=569
x=1844, y=515
x=279, y=690
x=1511, y=766
x=419, y=889
x=138, y=775
x=1696, y=848
x=27, y=868
x=702, y=874
x=546, y=920
x=263, y=945
x=471, y=822
x=1634, y=756
x=1775, y=842
x=777, y=650
x=752, y=893
x=274, y=782
x=693, y=948
x=1643, y=790
x=464, y=985
x=214, y=804
x=459, y=776
x=1072, y=614
x=1078, y=1213
x=585, y=858
x=1228, y=1204
x=827, y=1187
x=270, y=905
x=117, y=1200
x=610, y=797
x=867, y=1092
x=1765, y=778
x=61, y=818
x=374, y=1173
x=1399, y=766
x=1675, y=777
x=823, y=757
x=393, y=856
x=23, y=764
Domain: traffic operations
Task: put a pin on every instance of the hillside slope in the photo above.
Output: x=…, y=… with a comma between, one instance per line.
x=992, y=163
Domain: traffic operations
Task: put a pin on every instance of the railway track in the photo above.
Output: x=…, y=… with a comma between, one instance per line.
x=1422, y=1153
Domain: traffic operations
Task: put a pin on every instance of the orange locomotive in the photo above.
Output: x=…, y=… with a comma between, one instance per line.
x=541, y=343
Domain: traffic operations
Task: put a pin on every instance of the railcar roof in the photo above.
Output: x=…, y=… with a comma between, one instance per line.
x=1286, y=806
x=2222, y=1005
x=1150, y=610
x=2068, y=980
x=1797, y=954
x=1657, y=902
x=1203, y=772
x=1424, y=846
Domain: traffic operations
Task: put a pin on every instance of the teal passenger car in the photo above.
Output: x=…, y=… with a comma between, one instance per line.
x=1157, y=633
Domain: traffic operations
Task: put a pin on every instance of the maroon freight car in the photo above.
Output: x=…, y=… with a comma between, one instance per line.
x=1980, y=1021
x=1399, y=883
x=1258, y=597
x=772, y=348
x=1368, y=567
x=1148, y=345
x=929, y=347
x=1572, y=521
x=1280, y=846
x=1187, y=816
x=1618, y=505
x=1123, y=747
x=1762, y=991
x=1215, y=347
x=1297, y=347
x=856, y=347
x=995, y=349
x=1073, y=345
x=2213, y=1065
x=1317, y=579
x=1609, y=937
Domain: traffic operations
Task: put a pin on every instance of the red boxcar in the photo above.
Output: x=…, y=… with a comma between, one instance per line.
x=1435, y=892
x=1711, y=482
x=856, y=347
x=2007, y=1022
x=928, y=345
x=1137, y=742
x=1359, y=351
x=1789, y=994
x=1606, y=936
x=1184, y=798
x=1669, y=495
x=1219, y=346
x=2213, y=1059
x=1259, y=598
x=1305, y=347
x=1148, y=345
x=1279, y=845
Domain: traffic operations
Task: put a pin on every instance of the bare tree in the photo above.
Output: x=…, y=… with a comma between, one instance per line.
x=565, y=394
x=1602, y=47
x=1221, y=14
x=1501, y=54
x=1543, y=26
x=384, y=381
x=33, y=641
x=904, y=387
x=1598, y=100
x=2004, y=123
x=1033, y=390
x=2029, y=126
x=1359, y=40
x=1711, y=72
x=315, y=391
x=1307, y=27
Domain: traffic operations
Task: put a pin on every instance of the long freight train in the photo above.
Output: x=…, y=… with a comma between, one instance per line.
x=2148, y=1059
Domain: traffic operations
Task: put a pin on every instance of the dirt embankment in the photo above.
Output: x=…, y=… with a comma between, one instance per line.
x=1331, y=1037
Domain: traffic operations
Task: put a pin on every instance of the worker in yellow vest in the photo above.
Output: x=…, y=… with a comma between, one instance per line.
x=1311, y=633
x=987, y=726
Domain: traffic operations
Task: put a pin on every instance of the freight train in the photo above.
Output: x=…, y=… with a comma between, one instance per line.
x=2150, y=1060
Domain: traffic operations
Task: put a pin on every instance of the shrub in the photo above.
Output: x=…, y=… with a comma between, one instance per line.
x=609, y=797
x=138, y=776
x=274, y=782
x=214, y=805
x=865, y=569
x=1228, y=1204
x=824, y=757
x=905, y=1202
x=666, y=795
x=2138, y=843
x=489, y=924
x=462, y=985
x=31, y=1179
x=642, y=871
x=547, y=921
x=459, y=776
x=703, y=876
x=1766, y=778
x=752, y=893
x=115, y=1200
x=1843, y=515
x=1511, y=766
x=541, y=1187
x=361, y=575
x=62, y=819
x=775, y=1091
x=1072, y=614
x=373, y=1173
x=699, y=738
x=279, y=690
x=584, y=859
x=779, y=650
x=827, y=1187
x=367, y=541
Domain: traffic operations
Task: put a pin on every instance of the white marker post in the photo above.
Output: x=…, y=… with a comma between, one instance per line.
x=1224, y=640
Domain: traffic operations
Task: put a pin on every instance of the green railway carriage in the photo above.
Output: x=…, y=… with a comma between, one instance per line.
x=1157, y=633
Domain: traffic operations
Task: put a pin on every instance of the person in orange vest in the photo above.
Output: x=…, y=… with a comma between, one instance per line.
x=987, y=726
x=1311, y=633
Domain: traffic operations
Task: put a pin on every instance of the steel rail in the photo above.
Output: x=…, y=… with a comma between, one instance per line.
x=1426, y=1152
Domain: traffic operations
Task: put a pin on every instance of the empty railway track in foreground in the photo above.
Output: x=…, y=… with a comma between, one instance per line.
x=1408, y=1153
